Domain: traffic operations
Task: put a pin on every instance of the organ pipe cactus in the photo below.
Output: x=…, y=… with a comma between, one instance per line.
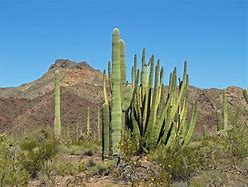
x=161, y=127
x=57, y=119
x=142, y=107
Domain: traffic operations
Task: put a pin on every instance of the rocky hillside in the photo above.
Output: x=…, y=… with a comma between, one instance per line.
x=31, y=106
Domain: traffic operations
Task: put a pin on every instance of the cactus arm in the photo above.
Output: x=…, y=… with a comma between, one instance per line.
x=153, y=113
x=192, y=126
x=122, y=62
x=172, y=135
x=143, y=71
x=176, y=100
x=105, y=131
x=161, y=90
x=98, y=124
x=110, y=75
x=183, y=120
x=104, y=88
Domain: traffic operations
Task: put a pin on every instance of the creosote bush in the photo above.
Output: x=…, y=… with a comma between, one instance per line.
x=11, y=171
x=35, y=153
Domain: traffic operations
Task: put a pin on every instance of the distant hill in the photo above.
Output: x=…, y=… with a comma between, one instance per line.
x=31, y=106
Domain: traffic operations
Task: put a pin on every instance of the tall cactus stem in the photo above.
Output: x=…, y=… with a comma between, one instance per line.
x=57, y=120
x=88, y=121
x=225, y=116
x=116, y=113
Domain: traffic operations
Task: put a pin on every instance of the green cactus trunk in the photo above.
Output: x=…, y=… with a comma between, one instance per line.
x=225, y=116
x=219, y=121
x=123, y=81
x=98, y=125
x=88, y=122
x=57, y=120
x=116, y=113
x=110, y=75
x=105, y=131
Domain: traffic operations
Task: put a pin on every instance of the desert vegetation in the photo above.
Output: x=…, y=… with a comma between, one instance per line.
x=144, y=135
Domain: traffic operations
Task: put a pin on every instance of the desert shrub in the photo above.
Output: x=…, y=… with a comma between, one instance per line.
x=80, y=148
x=11, y=172
x=180, y=165
x=102, y=168
x=47, y=174
x=35, y=153
x=129, y=147
x=236, y=140
x=64, y=168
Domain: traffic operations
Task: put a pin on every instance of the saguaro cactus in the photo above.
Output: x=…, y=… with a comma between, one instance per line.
x=88, y=121
x=225, y=117
x=57, y=120
x=116, y=113
x=222, y=117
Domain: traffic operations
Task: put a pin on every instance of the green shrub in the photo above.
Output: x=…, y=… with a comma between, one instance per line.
x=180, y=165
x=102, y=168
x=80, y=148
x=236, y=140
x=11, y=172
x=35, y=153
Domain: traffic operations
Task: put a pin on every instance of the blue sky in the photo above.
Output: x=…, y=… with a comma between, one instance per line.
x=210, y=34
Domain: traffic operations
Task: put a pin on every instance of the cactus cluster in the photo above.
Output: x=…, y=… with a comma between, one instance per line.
x=156, y=119
x=141, y=107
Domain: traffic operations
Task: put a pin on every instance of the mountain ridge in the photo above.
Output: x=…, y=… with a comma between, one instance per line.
x=31, y=106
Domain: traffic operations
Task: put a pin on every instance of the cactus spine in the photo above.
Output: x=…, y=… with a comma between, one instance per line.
x=57, y=120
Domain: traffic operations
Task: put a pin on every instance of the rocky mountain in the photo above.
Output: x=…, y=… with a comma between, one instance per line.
x=31, y=106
